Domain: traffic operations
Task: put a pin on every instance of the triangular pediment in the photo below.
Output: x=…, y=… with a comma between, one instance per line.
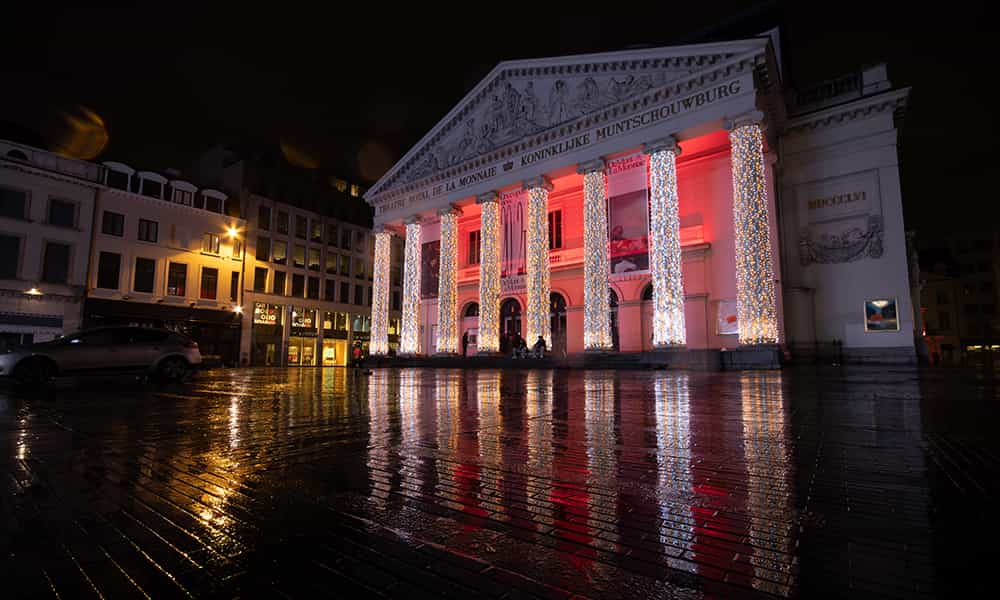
x=523, y=98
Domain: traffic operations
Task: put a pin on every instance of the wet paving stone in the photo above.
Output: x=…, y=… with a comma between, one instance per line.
x=862, y=482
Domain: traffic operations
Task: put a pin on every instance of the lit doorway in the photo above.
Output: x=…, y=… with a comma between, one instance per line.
x=510, y=323
x=557, y=312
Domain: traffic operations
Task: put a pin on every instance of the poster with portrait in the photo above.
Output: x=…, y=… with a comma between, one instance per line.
x=727, y=322
x=430, y=256
x=628, y=212
x=880, y=315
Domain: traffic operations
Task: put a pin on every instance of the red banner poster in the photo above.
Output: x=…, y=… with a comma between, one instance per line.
x=628, y=213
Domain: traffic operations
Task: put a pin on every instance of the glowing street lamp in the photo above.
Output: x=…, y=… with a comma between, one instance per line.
x=34, y=292
x=232, y=232
x=238, y=309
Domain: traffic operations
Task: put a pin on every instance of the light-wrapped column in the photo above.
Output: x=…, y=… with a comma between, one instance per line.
x=380, y=293
x=537, y=280
x=489, y=273
x=596, y=311
x=409, y=339
x=755, y=303
x=665, y=245
x=447, y=335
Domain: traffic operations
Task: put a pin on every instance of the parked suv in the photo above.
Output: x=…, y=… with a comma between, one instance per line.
x=168, y=354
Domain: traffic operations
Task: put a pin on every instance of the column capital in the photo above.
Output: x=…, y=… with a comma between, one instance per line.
x=590, y=166
x=667, y=143
x=487, y=197
x=538, y=182
x=748, y=118
x=415, y=219
x=451, y=209
x=385, y=228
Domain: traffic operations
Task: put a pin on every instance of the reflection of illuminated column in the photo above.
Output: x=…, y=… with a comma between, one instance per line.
x=673, y=440
x=447, y=337
x=665, y=244
x=409, y=339
x=599, y=404
x=769, y=485
x=489, y=274
x=537, y=283
x=756, y=311
x=596, y=315
x=380, y=293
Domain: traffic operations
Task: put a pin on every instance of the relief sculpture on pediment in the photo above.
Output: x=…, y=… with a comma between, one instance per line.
x=513, y=110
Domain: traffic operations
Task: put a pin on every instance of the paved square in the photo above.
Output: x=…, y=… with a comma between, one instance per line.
x=445, y=483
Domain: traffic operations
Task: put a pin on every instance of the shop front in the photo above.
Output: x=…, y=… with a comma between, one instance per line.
x=266, y=334
x=302, y=341
x=335, y=339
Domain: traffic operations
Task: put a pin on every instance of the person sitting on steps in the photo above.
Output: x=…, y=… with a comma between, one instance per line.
x=538, y=350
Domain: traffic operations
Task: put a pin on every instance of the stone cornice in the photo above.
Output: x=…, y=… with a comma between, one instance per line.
x=753, y=54
x=42, y=172
x=237, y=221
x=860, y=108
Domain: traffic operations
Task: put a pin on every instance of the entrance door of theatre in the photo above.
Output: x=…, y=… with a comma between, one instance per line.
x=557, y=311
x=510, y=322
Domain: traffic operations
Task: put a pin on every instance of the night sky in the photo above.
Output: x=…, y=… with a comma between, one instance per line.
x=353, y=92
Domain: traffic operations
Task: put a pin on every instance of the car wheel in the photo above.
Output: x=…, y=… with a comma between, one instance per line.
x=173, y=368
x=33, y=371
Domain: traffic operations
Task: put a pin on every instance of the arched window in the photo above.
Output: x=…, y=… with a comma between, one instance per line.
x=647, y=293
x=17, y=154
x=472, y=310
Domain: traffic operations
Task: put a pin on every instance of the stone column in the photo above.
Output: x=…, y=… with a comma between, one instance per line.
x=665, y=245
x=409, y=339
x=447, y=335
x=380, y=292
x=489, y=274
x=537, y=280
x=596, y=320
x=756, y=309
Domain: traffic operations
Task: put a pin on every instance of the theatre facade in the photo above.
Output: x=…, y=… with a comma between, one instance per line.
x=677, y=198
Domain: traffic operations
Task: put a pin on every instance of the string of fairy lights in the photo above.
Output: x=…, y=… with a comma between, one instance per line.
x=537, y=263
x=489, y=275
x=409, y=339
x=596, y=317
x=665, y=249
x=755, y=303
x=447, y=338
x=380, y=300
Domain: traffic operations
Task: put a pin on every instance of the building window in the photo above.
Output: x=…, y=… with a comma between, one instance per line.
x=210, y=243
x=331, y=234
x=260, y=279
x=345, y=292
x=280, y=252
x=209, y=283
x=263, y=249
x=314, y=259
x=118, y=180
x=359, y=295
x=62, y=213
x=149, y=231
x=234, y=286
x=282, y=224
x=331, y=263
x=298, y=285
x=555, y=230
x=942, y=297
x=986, y=286
x=213, y=204
x=145, y=273
x=299, y=259
x=989, y=309
x=263, y=217
x=316, y=231
x=177, y=279
x=359, y=241
x=13, y=203
x=301, y=223
x=330, y=290
x=153, y=189
x=55, y=267
x=113, y=224
x=985, y=266
x=108, y=267
x=199, y=201
x=10, y=249
x=345, y=239
x=182, y=197
x=345, y=266
x=370, y=297
x=340, y=185
x=278, y=286
x=474, y=247
x=312, y=291
x=359, y=268
x=944, y=320
x=355, y=190
x=237, y=248
x=395, y=301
